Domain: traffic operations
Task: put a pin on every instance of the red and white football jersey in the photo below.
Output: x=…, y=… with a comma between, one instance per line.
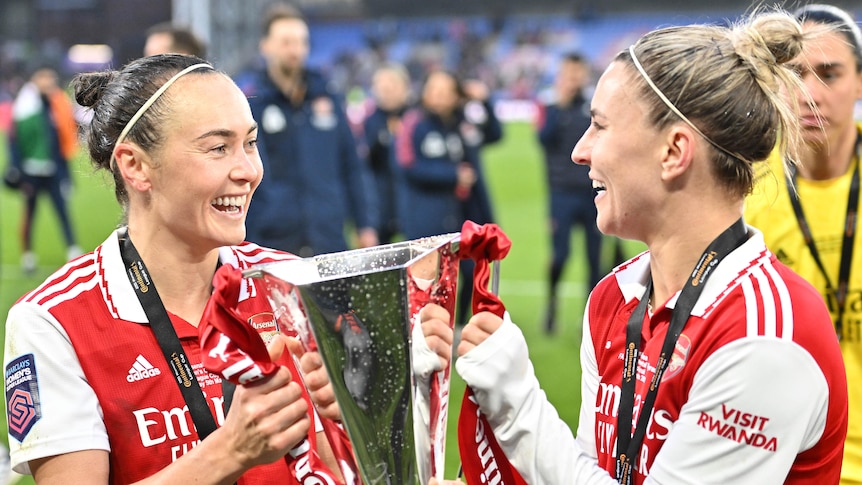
x=755, y=391
x=87, y=373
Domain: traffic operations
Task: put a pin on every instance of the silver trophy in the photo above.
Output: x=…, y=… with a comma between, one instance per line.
x=359, y=308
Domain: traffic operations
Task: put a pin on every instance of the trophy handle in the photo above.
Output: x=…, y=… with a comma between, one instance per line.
x=495, y=277
x=254, y=272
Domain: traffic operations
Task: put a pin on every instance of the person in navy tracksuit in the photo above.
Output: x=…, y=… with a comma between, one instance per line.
x=314, y=183
x=391, y=88
x=569, y=185
x=438, y=149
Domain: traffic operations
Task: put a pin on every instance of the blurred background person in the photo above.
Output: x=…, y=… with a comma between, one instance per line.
x=439, y=151
x=315, y=183
x=167, y=38
x=44, y=139
x=570, y=189
x=390, y=87
x=812, y=227
x=480, y=127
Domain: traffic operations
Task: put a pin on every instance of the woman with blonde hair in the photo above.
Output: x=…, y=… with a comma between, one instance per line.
x=704, y=359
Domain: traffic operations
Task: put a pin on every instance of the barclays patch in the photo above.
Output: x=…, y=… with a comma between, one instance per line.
x=23, y=408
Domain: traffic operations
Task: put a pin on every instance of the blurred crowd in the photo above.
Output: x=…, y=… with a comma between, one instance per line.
x=490, y=61
x=516, y=55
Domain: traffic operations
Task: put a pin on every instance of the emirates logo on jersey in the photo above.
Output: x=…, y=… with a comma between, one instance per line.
x=677, y=360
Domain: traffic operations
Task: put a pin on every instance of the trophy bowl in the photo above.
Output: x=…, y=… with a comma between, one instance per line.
x=358, y=309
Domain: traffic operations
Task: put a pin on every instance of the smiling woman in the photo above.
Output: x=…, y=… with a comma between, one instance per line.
x=704, y=359
x=106, y=340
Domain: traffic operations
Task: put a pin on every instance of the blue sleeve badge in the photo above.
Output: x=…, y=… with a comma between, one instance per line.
x=22, y=396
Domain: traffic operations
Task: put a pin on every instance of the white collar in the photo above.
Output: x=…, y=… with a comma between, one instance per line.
x=632, y=275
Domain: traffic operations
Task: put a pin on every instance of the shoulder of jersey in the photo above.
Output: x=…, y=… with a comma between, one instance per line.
x=250, y=253
x=73, y=278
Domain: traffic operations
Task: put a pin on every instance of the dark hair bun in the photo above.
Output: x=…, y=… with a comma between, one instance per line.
x=89, y=87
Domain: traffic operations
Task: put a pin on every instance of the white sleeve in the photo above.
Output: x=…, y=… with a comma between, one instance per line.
x=64, y=411
x=753, y=406
x=538, y=443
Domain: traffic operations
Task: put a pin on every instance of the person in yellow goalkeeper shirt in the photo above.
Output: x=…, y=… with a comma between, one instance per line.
x=813, y=228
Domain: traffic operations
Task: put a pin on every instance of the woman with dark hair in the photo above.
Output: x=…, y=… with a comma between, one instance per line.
x=105, y=380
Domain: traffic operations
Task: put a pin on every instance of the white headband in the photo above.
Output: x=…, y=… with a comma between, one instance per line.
x=143, y=109
x=673, y=108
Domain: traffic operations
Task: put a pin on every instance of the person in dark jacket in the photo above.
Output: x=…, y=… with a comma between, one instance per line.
x=315, y=185
x=439, y=152
x=569, y=186
x=391, y=90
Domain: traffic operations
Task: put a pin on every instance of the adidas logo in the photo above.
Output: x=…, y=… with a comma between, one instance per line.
x=142, y=369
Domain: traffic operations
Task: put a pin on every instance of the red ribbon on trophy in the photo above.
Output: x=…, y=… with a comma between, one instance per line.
x=476, y=442
x=233, y=349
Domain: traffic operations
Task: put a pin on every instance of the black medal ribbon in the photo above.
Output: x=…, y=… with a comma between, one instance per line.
x=628, y=444
x=167, y=337
x=839, y=291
